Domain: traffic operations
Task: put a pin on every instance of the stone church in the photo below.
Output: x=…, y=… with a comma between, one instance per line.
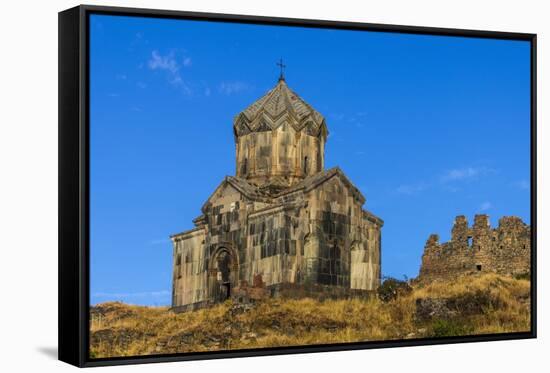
x=283, y=221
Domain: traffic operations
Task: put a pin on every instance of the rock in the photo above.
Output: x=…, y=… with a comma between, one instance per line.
x=467, y=304
x=433, y=308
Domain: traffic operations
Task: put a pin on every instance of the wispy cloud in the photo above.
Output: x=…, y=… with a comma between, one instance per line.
x=449, y=180
x=466, y=173
x=234, y=87
x=485, y=206
x=523, y=184
x=410, y=189
x=337, y=116
x=167, y=62
x=355, y=119
x=172, y=65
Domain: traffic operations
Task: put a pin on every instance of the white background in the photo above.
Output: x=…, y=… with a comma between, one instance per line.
x=28, y=185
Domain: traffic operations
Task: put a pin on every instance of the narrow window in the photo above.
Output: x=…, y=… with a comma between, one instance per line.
x=244, y=166
x=305, y=165
x=470, y=241
x=478, y=267
x=178, y=265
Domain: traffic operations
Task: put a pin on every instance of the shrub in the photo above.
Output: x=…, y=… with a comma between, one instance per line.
x=449, y=328
x=392, y=288
x=475, y=303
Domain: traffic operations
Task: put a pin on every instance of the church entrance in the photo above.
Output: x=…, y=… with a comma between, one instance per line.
x=224, y=270
x=223, y=275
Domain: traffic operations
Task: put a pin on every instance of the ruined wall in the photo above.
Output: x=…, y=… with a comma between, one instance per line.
x=480, y=248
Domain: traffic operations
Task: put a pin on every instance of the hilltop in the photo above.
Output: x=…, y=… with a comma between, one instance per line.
x=482, y=304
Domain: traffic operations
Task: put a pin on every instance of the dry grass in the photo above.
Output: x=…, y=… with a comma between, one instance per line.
x=501, y=305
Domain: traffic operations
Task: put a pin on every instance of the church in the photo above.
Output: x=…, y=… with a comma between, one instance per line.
x=283, y=221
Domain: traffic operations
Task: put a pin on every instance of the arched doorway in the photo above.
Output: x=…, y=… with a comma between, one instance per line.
x=222, y=274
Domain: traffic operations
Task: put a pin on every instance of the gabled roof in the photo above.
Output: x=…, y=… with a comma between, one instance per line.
x=250, y=191
x=256, y=193
x=277, y=106
x=316, y=180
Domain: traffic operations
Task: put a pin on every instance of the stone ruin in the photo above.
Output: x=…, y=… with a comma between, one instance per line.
x=480, y=248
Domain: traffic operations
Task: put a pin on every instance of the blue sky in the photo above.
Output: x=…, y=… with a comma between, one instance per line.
x=428, y=128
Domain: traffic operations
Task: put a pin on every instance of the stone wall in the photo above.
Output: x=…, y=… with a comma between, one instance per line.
x=189, y=275
x=316, y=234
x=344, y=243
x=479, y=248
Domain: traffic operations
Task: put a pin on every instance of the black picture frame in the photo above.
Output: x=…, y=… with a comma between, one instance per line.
x=74, y=183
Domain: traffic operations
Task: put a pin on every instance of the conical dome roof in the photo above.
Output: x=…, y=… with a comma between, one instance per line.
x=278, y=106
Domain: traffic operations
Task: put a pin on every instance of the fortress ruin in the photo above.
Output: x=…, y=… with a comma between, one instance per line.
x=480, y=248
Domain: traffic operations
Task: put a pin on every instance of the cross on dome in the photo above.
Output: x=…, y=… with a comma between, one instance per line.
x=282, y=67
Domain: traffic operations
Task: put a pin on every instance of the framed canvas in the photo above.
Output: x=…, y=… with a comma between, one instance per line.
x=234, y=186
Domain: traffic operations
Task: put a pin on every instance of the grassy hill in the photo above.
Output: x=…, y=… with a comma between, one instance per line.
x=471, y=305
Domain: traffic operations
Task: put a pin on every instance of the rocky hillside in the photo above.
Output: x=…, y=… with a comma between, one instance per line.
x=471, y=305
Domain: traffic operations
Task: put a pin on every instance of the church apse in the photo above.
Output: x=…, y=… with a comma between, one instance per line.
x=283, y=220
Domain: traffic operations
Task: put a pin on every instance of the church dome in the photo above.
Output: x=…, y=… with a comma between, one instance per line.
x=278, y=106
x=280, y=139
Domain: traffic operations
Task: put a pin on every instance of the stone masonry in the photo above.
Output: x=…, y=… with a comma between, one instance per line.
x=480, y=248
x=283, y=222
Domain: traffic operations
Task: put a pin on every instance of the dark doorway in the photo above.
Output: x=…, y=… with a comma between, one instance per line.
x=478, y=267
x=226, y=291
x=224, y=278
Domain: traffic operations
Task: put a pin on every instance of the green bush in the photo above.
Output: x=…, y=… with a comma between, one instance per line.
x=392, y=288
x=449, y=328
